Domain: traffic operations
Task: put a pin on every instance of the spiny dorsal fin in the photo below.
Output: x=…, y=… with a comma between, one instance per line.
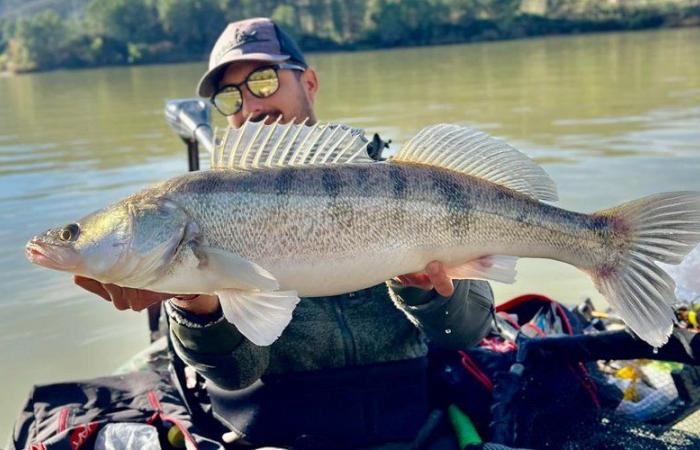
x=477, y=154
x=255, y=145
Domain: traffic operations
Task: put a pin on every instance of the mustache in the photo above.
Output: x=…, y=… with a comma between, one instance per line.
x=271, y=116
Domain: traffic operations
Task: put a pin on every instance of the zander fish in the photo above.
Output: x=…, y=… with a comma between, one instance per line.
x=293, y=210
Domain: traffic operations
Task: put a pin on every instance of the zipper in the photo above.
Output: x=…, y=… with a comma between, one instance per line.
x=348, y=342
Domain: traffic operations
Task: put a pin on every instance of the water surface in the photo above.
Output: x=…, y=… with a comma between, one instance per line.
x=611, y=117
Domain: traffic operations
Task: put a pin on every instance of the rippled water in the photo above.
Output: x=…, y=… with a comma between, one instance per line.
x=611, y=117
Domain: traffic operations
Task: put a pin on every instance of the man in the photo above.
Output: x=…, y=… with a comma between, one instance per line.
x=350, y=370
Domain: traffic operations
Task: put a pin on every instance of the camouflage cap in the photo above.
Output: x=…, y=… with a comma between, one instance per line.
x=258, y=39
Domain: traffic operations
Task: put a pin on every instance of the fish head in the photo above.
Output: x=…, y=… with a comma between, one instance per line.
x=125, y=243
x=90, y=246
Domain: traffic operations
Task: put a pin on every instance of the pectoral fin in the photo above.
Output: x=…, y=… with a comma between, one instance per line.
x=232, y=271
x=492, y=267
x=259, y=316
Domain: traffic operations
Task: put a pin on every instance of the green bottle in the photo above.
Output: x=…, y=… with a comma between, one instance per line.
x=464, y=428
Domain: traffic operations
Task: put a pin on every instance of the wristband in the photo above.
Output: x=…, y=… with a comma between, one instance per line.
x=190, y=320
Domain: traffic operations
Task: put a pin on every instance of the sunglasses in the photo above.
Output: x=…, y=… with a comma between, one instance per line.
x=262, y=83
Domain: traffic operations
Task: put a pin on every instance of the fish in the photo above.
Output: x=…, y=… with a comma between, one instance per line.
x=291, y=210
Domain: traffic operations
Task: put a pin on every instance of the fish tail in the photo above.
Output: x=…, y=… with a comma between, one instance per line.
x=664, y=228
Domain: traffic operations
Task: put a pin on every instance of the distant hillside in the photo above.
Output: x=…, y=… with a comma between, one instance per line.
x=20, y=8
x=50, y=34
x=24, y=8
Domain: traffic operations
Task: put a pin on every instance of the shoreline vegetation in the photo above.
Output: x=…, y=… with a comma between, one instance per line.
x=41, y=35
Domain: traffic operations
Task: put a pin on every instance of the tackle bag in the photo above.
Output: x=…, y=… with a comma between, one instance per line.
x=534, y=381
x=70, y=415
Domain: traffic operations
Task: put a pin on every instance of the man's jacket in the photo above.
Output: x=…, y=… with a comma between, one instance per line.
x=384, y=323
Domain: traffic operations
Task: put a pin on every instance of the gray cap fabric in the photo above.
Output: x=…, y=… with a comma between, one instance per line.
x=258, y=39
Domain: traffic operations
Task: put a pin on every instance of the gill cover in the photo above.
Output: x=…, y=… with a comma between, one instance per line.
x=157, y=229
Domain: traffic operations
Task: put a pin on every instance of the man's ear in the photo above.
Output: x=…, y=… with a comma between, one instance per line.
x=310, y=82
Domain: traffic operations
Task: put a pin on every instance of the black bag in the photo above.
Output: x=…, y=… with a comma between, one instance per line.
x=513, y=400
x=69, y=415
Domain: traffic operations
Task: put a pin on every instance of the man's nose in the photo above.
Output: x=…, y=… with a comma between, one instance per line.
x=252, y=105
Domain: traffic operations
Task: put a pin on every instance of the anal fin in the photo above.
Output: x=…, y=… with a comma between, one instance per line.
x=259, y=316
x=491, y=267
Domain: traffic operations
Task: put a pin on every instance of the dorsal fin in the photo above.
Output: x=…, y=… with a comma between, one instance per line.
x=477, y=154
x=255, y=145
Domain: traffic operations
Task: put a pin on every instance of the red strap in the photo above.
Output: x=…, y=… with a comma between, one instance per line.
x=63, y=419
x=471, y=367
x=589, y=385
x=153, y=400
x=81, y=435
x=521, y=299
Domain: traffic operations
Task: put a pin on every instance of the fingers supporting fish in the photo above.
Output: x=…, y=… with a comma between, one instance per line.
x=438, y=277
x=121, y=297
x=434, y=277
x=93, y=286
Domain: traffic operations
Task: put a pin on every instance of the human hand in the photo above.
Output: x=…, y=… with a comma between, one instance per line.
x=434, y=277
x=122, y=298
x=139, y=299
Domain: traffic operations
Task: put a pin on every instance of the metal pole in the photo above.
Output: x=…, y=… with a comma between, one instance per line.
x=193, y=154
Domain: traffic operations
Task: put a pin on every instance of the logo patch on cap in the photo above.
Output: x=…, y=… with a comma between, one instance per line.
x=240, y=38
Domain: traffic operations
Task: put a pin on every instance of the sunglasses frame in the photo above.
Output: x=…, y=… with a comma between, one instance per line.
x=275, y=67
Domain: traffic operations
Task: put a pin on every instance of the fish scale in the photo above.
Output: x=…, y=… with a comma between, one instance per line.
x=286, y=229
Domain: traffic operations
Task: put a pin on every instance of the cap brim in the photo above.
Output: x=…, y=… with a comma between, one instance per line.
x=206, y=86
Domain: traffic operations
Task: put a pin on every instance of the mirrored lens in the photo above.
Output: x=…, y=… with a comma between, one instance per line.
x=263, y=83
x=229, y=100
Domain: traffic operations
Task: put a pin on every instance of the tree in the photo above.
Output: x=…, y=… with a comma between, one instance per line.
x=39, y=42
x=405, y=22
x=286, y=16
x=193, y=25
x=4, y=34
x=386, y=27
x=352, y=14
x=128, y=21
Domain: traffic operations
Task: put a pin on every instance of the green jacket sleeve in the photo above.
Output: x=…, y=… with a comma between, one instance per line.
x=456, y=322
x=217, y=350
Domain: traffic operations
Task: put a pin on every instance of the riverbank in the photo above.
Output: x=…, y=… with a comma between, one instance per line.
x=146, y=35
x=523, y=26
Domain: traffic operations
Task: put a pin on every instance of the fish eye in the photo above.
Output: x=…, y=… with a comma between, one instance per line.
x=70, y=232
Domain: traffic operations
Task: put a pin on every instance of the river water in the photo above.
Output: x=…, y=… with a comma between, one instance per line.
x=611, y=117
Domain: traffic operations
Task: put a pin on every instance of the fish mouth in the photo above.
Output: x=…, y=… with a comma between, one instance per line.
x=41, y=253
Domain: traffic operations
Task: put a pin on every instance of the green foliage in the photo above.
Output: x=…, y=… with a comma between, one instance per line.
x=95, y=51
x=38, y=42
x=124, y=20
x=286, y=16
x=193, y=24
x=4, y=36
x=81, y=33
